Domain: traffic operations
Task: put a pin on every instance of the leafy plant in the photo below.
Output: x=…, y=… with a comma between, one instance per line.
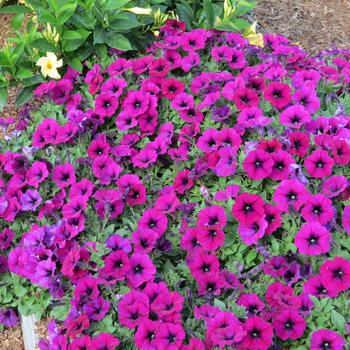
x=76, y=30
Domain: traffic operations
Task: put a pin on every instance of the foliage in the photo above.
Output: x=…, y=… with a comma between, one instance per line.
x=76, y=30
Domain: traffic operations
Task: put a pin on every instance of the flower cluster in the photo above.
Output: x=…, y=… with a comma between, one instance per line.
x=195, y=197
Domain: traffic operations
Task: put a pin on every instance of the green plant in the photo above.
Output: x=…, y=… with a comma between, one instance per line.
x=76, y=30
x=217, y=14
x=73, y=30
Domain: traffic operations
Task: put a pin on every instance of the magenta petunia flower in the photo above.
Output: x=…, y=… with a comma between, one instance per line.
x=346, y=219
x=141, y=270
x=114, y=86
x=259, y=334
x=210, y=284
x=227, y=163
x=281, y=166
x=335, y=275
x=135, y=103
x=326, y=339
x=132, y=188
x=290, y=193
x=94, y=79
x=98, y=147
x=295, y=117
x=106, y=104
x=37, y=173
x=116, y=265
x=306, y=96
x=289, y=324
x=245, y=98
x=104, y=341
x=147, y=334
x=277, y=266
x=63, y=175
x=340, y=151
x=334, y=186
x=153, y=220
x=8, y=317
x=168, y=306
x=30, y=200
x=300, y=143
x=314, y=286
x=75, y=207
x=319, y=164
x=251, y=302
x=225, y=330
x=318, y=208
x=251, y=233
x=6, y=237
x=144, y=158
x=248, y=208
x=202, y=263
x=278, y=94
x=144, y=240
x=183, y=181
x=272, y=217
x=133, y=309
x=258, y=164
x=313, y=239
x=109, y=203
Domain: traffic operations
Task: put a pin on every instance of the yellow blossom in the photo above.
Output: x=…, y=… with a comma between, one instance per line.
x=253, y=37
x=49, y=65
x=139, y=10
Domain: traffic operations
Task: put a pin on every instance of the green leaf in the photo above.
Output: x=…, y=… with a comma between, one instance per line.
x=76, y=64
x=220, y=304
x=3, y=98
x=101, y=50
x=122, y=24
x=115, y=4
x=244, y=6
x=209, y=12
x=25, y=95
x=60, y=312
x=66, y=11
x=24, y=73
x=15, y=9
x=43, y=45
x=17, y=21
x=100, y=35
x=240, y=23
x=185, y=13
x=337, y=320
x=36, y=79
x=118, y=41
x=74, y=39
x=19, y=290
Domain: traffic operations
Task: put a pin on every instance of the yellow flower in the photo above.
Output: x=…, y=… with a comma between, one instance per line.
x=139, y=10
x=253, y=37
x=49, y=65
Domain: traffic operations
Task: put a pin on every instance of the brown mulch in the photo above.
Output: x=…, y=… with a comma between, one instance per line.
x=315, y=24
x=11, y=339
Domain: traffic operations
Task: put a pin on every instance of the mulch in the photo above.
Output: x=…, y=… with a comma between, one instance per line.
x=315, y=24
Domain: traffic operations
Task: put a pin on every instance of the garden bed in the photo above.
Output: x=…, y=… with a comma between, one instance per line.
x=212, y=163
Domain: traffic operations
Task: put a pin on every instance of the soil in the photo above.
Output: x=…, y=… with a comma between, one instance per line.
x=315, y=24
x=11, y=339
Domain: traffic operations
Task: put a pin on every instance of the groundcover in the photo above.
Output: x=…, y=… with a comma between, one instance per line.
x=195, y=197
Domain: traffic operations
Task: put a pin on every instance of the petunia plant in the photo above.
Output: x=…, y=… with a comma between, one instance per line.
x=195, y=197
